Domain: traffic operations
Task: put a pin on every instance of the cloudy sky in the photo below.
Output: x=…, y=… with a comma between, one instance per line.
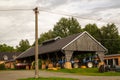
x=19, y=24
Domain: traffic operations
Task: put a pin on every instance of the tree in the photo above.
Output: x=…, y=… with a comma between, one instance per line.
x=6, y=48
x=93, y=30
x=63, y=28
x=110, y=38
x=66, y=26
x=118, y=45
x=45, y=36
x=23, y=45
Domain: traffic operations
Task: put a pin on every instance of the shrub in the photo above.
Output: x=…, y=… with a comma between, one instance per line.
x=39, y=64
x=2, y=66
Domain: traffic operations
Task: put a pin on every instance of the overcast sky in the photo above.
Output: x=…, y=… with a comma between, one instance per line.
x=17, y=25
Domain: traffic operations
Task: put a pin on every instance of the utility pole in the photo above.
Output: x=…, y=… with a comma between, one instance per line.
x=36, y=42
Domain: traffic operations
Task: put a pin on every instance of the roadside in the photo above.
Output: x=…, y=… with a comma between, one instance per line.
x=17, y=74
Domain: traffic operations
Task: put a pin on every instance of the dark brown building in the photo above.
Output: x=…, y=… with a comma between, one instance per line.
x=8, y=58
x=112, y=60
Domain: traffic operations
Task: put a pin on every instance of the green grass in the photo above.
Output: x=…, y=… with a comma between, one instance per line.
x=51, y=78
x=88, y=72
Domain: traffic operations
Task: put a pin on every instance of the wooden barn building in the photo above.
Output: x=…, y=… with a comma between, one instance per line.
x=65, y=49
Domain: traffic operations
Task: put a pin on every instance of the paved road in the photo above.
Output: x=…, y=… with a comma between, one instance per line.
x=14, y=75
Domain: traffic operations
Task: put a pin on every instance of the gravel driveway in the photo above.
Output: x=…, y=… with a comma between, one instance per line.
x=14, y=75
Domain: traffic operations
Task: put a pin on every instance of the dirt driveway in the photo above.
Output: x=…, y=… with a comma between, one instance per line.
x=14, y=75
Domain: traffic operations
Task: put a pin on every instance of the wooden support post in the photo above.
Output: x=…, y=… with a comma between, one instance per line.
x=68, y=55
x=106, y=61
x=101, y=56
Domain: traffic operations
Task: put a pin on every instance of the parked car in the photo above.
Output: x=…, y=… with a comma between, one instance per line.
x=22, y=65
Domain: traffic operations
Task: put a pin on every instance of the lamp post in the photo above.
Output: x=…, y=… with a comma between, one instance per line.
x=36, y=42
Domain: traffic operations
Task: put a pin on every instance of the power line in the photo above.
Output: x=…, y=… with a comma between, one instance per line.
x=65, y=14
x=109, y=39
x=15, y=10
x=56, y=12
x=76, y=16
x=48, y=11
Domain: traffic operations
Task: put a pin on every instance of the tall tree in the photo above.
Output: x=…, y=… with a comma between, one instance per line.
x=110, y=38
x=6, y=48
x=93, y=30
x=66, y=26
x=23, y=45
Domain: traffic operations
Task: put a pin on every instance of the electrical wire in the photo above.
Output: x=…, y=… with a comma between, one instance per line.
x=59, y=13
x=67, y=14
x=76, y=16
x=48, y=11
x=15, y=9
x=109, y=39
x=56, y=12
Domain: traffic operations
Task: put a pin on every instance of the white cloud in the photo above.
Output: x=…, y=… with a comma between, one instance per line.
x=17, y=25
x=17, y=4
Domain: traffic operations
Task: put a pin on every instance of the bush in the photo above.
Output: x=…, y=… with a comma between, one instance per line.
x=33, y=64
x=2, y=66
x=39, y=64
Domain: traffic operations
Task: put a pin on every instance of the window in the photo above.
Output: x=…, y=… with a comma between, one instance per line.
x=110, y=62
x=105, y=61
x=116, y=61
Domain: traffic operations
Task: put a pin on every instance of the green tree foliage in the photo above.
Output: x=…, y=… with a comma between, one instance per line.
x=2, y=66
x=46, y=36
x=66, y=26
x=118, y=51
x=63, y=28
x=110, y=38
x=23, y=45
x=93, y=30
x=6, y=48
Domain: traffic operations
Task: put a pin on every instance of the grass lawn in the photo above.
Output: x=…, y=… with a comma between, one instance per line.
x=88, y=72
x=51, y=78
